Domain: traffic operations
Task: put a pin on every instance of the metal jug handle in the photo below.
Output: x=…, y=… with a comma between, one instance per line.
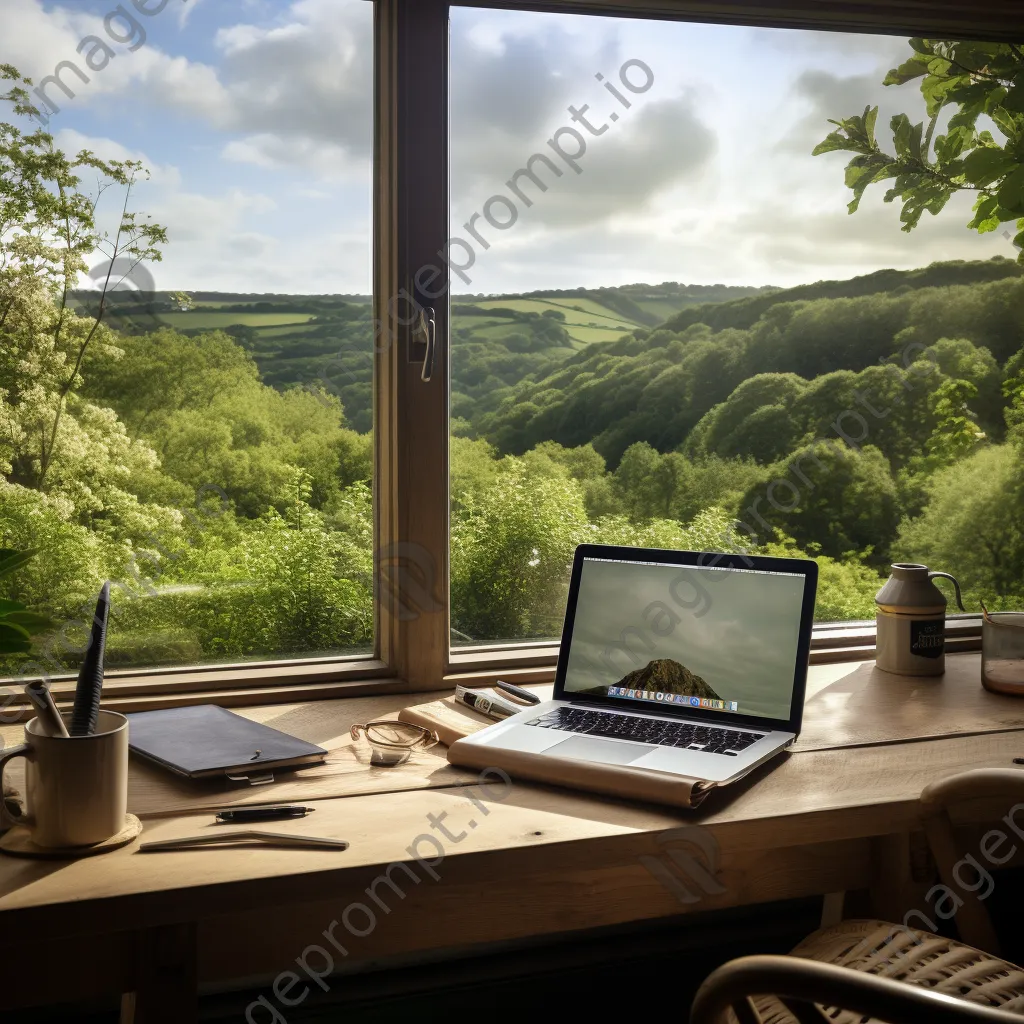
x=956, y=586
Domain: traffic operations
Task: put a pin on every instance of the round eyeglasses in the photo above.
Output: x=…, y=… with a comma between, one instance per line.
x=393, y=743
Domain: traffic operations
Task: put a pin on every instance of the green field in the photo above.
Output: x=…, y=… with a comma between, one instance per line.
x=586, y=321
x=595, y=334
x=576, y=310
x=202, y=319
x=286, y=330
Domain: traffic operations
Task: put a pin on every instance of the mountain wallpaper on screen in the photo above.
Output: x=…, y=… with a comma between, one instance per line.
x=665, y=675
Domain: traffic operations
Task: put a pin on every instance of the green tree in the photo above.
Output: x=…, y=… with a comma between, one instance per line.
x=755, y=420
x=511, y=550
x=473, y=469
x=840, y=499
x=647, y=481
x=587, y=466
x=48, y=229
x=956, y=432
x=971, y=526
x=1013, y=388
x=973, y=79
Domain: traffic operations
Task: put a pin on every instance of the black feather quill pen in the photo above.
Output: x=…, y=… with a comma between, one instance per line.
x=85, y=716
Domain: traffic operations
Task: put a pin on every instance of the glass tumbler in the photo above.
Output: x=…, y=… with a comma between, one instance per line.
x=1002, y=652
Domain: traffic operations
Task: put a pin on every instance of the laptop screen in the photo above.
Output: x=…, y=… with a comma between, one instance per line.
x=718, y=639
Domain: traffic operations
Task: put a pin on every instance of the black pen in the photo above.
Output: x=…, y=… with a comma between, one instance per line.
x=523, y=696
x=264, y=813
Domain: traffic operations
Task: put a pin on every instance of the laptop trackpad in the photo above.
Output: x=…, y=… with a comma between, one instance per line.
x=585, y=748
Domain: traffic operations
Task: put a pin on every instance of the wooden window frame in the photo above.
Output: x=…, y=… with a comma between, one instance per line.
x=411, y=423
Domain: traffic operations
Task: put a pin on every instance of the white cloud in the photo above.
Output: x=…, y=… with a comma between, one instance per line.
x=72, y=142
x=36, y=40
x=328, y=161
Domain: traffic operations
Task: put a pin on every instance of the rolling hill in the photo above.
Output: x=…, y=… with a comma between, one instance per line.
x=610, y=366
x=326, y=340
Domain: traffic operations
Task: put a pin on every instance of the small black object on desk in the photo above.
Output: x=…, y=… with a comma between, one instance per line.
x=264, y=813
x=526, y=696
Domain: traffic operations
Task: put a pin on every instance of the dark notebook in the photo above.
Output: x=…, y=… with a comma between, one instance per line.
x=207, y=740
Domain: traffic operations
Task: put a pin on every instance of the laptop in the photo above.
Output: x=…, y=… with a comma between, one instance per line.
x=687, y=663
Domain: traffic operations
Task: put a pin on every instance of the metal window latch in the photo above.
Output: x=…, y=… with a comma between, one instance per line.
x=428, y=326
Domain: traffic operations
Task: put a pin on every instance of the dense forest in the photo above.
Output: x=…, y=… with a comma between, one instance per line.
x=210, y=454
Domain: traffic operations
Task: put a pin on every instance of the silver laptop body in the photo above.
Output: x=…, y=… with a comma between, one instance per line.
x=687, y=663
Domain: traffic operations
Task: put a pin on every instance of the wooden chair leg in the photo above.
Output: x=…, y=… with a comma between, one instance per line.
x=891, y=876
x=832, y=908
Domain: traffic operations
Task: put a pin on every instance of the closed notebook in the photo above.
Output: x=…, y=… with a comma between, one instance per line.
x=206, y=740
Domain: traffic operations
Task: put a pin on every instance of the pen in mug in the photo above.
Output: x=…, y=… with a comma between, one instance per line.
x=41, y=699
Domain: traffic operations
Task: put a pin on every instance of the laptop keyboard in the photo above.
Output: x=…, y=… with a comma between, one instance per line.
x=688, y=735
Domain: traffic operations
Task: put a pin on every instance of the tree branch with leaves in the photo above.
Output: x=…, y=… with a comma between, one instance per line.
x=979, y=84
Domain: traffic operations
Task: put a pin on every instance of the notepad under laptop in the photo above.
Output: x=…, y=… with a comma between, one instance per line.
x=205, y=740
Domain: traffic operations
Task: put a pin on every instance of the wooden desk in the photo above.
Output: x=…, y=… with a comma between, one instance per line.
x=519, y=861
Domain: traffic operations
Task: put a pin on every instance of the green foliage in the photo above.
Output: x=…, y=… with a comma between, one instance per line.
x=803, y=496
x=972, y=526
x=754, y=421
x=744, y=313
x=1013, y=389
x=511, y=552
x=283, y=584
x=49, y=229
x=17, y=623
x=761, y=391
x=202, y=406
x=975, y=80
x=956, y=432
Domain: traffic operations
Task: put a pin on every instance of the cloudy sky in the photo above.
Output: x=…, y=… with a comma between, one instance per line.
x=744, y=645
x=255, y=118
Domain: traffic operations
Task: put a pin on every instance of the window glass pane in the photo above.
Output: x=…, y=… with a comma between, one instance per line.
x=668, y=329
x=185, y=343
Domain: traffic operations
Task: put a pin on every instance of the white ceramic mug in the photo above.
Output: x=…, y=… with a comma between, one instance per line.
x=76, y=788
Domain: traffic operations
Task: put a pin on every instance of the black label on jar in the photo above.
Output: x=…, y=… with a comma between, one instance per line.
x=928, y=638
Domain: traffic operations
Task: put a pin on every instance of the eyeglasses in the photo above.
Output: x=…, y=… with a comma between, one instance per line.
x=392, y=743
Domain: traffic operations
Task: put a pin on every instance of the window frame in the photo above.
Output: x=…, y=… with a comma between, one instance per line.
x=412, y=649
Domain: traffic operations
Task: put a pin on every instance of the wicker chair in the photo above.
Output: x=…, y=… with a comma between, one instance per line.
x=861, y=971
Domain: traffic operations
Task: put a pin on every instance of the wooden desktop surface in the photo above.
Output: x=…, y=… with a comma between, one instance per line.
x=529, y=860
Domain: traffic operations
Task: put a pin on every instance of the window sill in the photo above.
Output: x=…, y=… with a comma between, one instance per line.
x=230, y=686
x=830, y=643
